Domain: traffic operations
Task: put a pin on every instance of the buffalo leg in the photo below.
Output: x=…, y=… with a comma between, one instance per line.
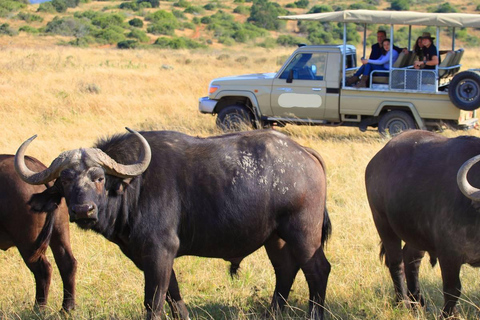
x=177, y=305
x=412, y=259
x=158, y=266
x=392, y=247
x=316, y=272
x=452, y=286
x=285, y=271
x=42, y=271
x=67, y=265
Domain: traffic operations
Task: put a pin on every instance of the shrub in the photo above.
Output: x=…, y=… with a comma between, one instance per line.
x=320, y=8
x=161, y=28
x=105, y=20
x=129, y=5
x=178, y=14
x=153, y=3
x=138, y=34
x=8, y=6
x=127, y=44
x=303, y=4
x=268, y=43
x=241, y=10
x=136, y=22
x=161, y=16
x=177, y=43
x=210, y=6
x=110, y=35
x=69, y=26
x=264, y=14
x=5, y=29
x=46, y=7
x=60, y=5
x=28, y=29
x=28, y=17
x=194, y=10
x=181, y=4
x=290, y=41
x=400, y=5
x=445, y=7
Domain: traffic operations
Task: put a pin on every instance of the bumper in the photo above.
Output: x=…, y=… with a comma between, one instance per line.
x=206, y=105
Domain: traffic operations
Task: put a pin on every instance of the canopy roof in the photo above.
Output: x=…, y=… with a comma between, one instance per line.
x=393, y=17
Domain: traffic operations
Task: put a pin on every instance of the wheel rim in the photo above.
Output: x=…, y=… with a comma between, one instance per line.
x=467, y=90
x=396, y=126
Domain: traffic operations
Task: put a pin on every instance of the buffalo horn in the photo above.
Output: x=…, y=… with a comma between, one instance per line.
x=120, y=170
x=46, y=175
x=467, y=189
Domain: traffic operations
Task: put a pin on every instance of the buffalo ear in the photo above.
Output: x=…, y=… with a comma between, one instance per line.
x=120, y=186
x=47, y=201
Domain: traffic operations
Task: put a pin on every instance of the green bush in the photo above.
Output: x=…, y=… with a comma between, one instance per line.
x=302, y=4
x=8, y=6
x=105, y=20
x=194, y=10
x=161, y=16
x=178, y=14
x=109, y=35
x=127, y=44
x=5, y=29
x=129, y=5
x=60, y=5
x=46, y=7
x=241, y=10
x=210, y=6
x=161, y=28
x=136, y=22
x=361, y=6
x=189, y=25
x=268, y=43
x=177, y=43
x=69, y=26
x=399, y=5
x=264, y=14
x=28, y=29
x=139, y=35
x=445, y=7
x=153, y=3
x=28, y=17
x=290, y=41
x=320, y=8
x=181, y=4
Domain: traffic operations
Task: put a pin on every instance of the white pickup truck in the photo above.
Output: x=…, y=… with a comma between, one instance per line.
x=310, y=87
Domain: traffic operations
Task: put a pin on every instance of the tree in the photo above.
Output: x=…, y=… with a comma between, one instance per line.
x=264, y=14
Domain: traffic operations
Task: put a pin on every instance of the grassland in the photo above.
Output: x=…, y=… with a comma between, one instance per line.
x=70, y=97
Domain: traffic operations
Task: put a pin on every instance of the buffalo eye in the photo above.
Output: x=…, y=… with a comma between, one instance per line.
x=66, y=176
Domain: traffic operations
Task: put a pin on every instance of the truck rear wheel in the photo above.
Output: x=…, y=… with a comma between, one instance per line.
x=235, y=118
x=395, y=122
x=464, y=90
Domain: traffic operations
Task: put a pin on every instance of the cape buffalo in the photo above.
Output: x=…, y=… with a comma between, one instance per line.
x=31, y=232
x=161, y=195
x=414, y=195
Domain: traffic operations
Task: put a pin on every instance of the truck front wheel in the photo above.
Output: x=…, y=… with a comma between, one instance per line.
x=394, y=122
x=235, y=118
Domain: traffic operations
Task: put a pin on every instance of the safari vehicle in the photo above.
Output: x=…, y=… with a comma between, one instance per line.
x=310, y=87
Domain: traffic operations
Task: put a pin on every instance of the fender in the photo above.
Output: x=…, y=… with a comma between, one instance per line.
x=408, y=105
x=247, y=94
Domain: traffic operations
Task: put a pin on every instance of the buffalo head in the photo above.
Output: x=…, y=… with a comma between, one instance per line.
x=81, y=174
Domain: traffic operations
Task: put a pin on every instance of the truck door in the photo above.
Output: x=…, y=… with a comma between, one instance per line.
x=299, y=91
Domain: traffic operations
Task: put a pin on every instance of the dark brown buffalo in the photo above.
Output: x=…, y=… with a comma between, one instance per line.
x=31, y=232
x=414, y=195
x=221, y=197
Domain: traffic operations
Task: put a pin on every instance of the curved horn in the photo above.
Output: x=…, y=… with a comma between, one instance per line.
x=120, y=170
x=46, y=175
x=467, y=189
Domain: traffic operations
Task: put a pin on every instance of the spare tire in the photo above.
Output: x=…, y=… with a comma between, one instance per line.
x=464, y=90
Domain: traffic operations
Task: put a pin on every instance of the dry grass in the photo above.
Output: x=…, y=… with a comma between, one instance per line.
x=70, y=97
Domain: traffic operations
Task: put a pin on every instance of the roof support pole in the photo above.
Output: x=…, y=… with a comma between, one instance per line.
x=344, y=58
x=453, y=39
x=409, y=37
x=364, y=40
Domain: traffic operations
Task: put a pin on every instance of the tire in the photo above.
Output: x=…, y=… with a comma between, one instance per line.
x=235, y=118
x=464, y=90
x=395, y=122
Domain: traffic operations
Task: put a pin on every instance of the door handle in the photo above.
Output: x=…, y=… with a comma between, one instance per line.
x=284, y=89
x=316, y=89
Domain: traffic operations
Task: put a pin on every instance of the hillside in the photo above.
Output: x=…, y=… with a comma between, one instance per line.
x=198, y=24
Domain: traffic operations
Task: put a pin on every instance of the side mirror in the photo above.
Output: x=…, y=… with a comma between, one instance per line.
x=290, y=76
